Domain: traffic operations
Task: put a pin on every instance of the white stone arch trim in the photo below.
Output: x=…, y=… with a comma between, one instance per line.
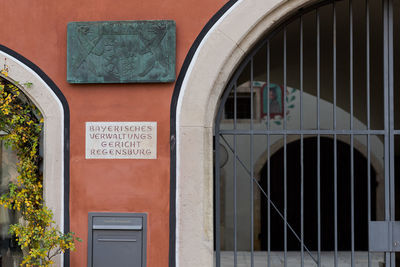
x=52, y=109
x=213, y=62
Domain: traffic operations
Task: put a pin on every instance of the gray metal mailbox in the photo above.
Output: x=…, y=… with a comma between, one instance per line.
x=117, y=239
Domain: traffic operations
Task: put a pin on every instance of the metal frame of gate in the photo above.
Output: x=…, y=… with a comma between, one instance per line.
x=387, y=229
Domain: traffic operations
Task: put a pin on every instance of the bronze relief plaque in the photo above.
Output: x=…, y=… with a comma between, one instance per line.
x=121, y=51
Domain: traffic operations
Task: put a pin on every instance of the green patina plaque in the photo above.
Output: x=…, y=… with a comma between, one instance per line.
x=121, y=51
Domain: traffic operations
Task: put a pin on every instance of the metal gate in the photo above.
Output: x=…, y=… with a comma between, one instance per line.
x=307, y=140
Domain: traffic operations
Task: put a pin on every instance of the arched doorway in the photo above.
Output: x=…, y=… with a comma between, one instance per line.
x=217, y=52
x=316, y=57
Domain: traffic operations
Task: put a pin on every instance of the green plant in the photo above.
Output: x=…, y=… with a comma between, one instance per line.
x=36, y=233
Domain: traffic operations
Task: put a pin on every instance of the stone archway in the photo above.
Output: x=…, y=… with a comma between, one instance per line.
x=194, y=105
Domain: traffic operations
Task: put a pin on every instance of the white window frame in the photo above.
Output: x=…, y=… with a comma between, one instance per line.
x=52, y=110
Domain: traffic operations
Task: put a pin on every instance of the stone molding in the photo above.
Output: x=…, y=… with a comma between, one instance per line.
x=53, y=134
x=214, y=61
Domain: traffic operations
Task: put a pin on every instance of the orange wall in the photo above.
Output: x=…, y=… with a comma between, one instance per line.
x=37, y=30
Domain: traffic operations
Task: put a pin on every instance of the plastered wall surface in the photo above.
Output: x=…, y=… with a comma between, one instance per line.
x=38, y=31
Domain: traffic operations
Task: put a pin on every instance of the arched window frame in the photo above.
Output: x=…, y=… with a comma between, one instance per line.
x=52, y=104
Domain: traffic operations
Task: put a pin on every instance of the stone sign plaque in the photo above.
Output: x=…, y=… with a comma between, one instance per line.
x=121, y=140
x=121, y=51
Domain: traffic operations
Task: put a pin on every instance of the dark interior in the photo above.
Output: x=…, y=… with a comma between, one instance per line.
x=310, y=197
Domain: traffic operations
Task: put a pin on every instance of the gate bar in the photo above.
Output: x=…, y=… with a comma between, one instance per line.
x=298, y=132
x=351, y=128
x=318, y=136
x=235, y=177
x=367, y=28
x=335, y=136
x=269, y=165
x=386, y=115
x=301, y=146
x=284, y=147
x=391, y=121
x=251, y=163
x=217, y=201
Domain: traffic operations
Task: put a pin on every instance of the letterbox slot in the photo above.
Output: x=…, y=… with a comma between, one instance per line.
x=117, y=227
x=115, y=240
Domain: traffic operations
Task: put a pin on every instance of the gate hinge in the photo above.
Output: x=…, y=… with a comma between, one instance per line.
x=384, y=236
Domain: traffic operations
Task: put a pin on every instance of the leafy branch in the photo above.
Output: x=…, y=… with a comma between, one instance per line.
x=36, y=233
